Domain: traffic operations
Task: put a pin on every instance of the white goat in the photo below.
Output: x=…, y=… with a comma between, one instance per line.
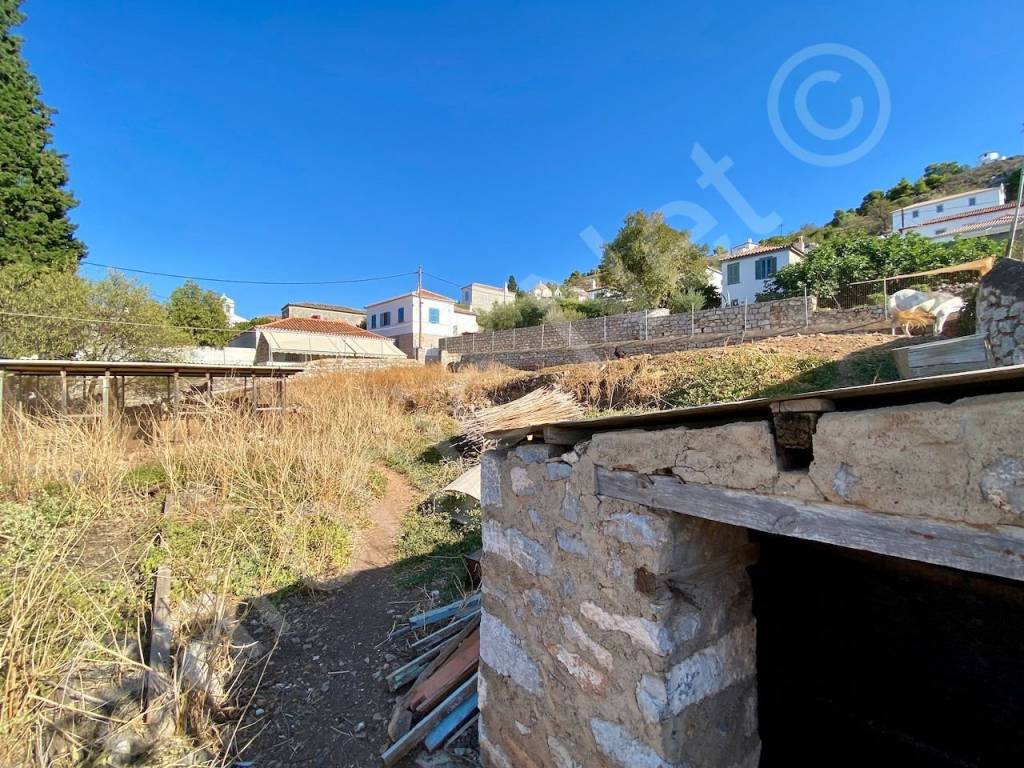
x=909, y=307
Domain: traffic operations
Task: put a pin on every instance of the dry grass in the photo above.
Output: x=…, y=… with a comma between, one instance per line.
x=262, y=500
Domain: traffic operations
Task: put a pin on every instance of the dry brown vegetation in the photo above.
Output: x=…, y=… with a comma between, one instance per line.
x=261, y=501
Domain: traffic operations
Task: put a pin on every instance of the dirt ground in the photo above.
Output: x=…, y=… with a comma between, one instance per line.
x=323, y=700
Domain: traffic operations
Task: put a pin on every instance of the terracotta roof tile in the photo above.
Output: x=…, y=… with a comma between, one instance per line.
x=758, y=249
x=315, y=325
x=962, y=215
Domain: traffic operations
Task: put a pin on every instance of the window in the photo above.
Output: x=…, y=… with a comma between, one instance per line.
x=385, y=319
x=914, y=214
x=465, y=296
x=401, y=314
x=732, y=273
x=373, y=321
x=766, y=267
x=972, y=201
x=940, y=208
x=435, y=316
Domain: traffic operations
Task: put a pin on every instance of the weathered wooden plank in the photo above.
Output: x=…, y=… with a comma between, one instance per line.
x=404, y=745
x=449, y=723
x=448, y=675
x=997, y=550
x=804, y=405
x=445, y=631
x=456, y=609
x=465, y=727
x=159, y=675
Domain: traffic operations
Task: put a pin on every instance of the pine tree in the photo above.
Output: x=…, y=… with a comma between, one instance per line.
x=34, y=199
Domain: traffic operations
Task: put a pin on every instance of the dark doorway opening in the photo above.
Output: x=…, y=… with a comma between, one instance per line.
x=865, y=660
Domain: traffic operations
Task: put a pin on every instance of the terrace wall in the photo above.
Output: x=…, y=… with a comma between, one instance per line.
x=591, y=657
x=707, y=328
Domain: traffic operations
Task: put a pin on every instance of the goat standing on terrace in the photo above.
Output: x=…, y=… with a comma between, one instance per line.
x=910, y=308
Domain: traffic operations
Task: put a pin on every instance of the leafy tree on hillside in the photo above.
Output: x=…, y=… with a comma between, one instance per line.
x=856, y=256
x=201, y=311
x=252, y=322
x=901, y=190
x=34, y=200
x=524, y=311
x=649, y=261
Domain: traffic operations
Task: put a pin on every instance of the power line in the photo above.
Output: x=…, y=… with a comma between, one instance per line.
x=115, y=322
x=246, y=282
x=443, y=280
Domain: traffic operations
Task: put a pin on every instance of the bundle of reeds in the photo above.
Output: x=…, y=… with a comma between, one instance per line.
x=538, y=407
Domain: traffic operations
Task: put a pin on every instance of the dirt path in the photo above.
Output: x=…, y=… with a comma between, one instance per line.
x=323, y=700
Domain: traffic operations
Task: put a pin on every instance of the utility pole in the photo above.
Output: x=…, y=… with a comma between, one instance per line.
x=1016, y=212
x=419, y=304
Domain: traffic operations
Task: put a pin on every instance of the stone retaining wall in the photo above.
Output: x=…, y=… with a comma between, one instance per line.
x=589, y=658
x=863, y=319
x=1000, y=311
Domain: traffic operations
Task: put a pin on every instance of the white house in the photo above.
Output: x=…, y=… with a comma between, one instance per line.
x=302, y=339
x=399, y=318
x=229, y=309
x=544, y=291
x=481, y=297
x=928, y=216
x=749, y=267
x=714, y=277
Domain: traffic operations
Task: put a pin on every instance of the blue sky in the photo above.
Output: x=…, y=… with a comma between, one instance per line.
x=331, y=140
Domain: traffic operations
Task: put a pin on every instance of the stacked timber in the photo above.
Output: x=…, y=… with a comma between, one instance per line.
x=440, y=701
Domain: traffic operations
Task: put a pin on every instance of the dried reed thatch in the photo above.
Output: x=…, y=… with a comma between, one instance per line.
x=537, y=407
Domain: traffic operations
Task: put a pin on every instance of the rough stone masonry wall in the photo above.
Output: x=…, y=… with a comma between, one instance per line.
x=590, y=660
x=668, y=333
x=1000, y=311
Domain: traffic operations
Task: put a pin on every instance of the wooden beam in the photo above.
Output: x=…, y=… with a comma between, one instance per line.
x=997, y=550
x=158, y=678
x=105, y=390
x=64, y=392
x=404, y=745
x=804, y=405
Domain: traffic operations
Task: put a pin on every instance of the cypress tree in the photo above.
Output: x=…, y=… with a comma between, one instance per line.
x=34, y=199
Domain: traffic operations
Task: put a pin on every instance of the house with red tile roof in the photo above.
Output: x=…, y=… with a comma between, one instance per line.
x=974, y=213
x=304, y=339
x=419, y=319
x=748, y=269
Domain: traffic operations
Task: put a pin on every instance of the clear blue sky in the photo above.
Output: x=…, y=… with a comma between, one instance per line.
x=330, y=140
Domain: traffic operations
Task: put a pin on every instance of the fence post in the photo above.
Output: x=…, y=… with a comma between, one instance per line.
x=606, y=327
x=645, y=324
x=474, y=343
x=885, y=298
x=542, y=335
x=744, y=316
x=807, y=314
x=568, y=338
x=492, y=341
x=513, y=339
x=693, y=321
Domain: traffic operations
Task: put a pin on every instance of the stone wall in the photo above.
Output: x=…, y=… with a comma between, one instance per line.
x=821, y=321
x=593, y=655
x=764, y=318
x=328, y=364
x=1000, y=311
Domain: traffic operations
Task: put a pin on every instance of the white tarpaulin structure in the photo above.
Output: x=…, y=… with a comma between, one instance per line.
x=276, y=345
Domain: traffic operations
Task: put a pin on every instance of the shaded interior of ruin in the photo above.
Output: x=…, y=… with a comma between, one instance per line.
x=872, y=660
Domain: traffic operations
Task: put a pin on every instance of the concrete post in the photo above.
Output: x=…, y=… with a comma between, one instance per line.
x=3, y=381
x=64, y=392
x=807, y=313
x=174, y=396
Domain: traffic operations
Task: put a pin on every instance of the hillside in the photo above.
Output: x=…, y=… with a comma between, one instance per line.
x=873, y=215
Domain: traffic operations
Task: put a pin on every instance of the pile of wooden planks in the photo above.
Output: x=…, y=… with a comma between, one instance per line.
x=440, y=704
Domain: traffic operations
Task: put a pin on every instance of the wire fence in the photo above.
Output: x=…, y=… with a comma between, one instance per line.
x=879, y=292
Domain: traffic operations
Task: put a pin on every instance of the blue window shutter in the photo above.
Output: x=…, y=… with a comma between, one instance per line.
x=373, y=321
x=435, y=315
x=732, y=273
x=401, y=314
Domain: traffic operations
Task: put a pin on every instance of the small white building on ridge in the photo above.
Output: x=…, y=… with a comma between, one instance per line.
x=936, y=219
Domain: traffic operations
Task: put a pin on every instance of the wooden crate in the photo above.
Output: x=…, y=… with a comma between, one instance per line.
x=966, y=353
